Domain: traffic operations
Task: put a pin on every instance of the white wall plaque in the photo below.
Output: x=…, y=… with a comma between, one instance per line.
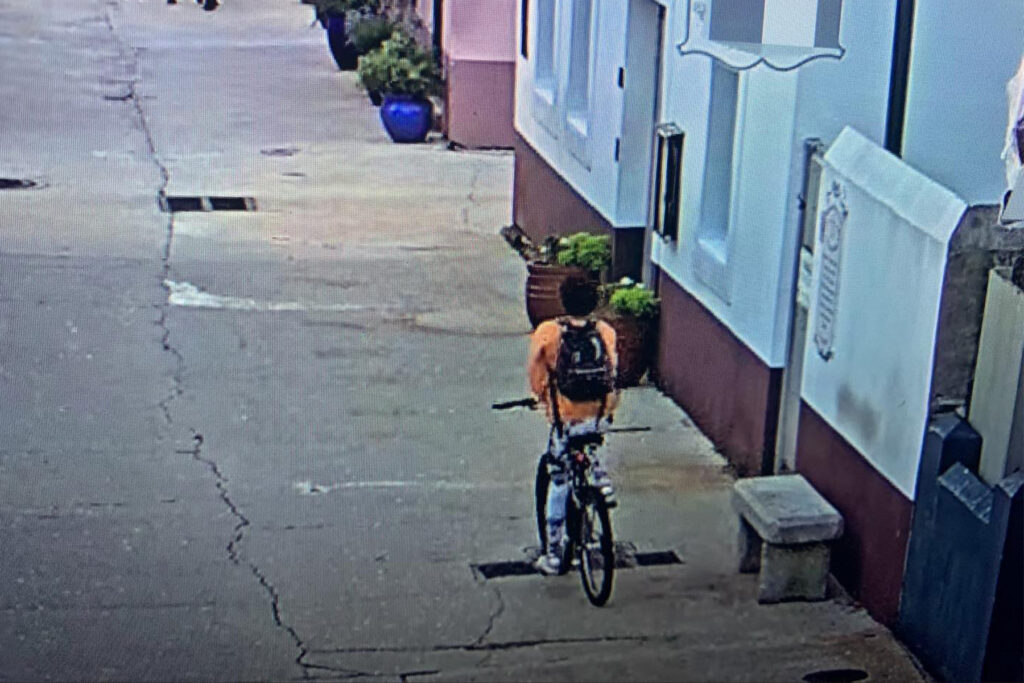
x=830, y=242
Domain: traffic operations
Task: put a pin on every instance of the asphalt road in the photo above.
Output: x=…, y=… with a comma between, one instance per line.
x=259, y=445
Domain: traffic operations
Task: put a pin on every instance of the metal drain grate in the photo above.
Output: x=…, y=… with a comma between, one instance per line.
x=660, y=557
x=626, y=557
x=180, y=203
x=495, y=570
x=836, y=676
x=16, y=183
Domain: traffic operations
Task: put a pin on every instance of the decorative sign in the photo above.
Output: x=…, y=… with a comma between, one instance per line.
x=830, y=244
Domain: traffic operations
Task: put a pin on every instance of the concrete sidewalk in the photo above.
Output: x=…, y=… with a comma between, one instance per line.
x=265, y=440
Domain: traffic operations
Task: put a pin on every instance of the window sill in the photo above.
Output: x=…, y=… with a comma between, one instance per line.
x=711, y=266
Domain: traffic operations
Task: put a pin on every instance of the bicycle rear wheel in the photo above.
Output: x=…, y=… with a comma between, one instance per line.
x=595, y=549
x=541, y=497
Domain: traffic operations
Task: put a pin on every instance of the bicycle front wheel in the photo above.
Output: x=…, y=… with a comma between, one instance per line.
x=596, y=551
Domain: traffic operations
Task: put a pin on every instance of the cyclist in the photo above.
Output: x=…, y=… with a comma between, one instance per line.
x=589, y=405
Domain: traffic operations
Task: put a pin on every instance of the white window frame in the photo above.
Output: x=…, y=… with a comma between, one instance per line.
x=715, y=236
x=579, y=97
x=545, y=73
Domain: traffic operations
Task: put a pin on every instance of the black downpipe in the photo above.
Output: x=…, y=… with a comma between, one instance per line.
x=438, y=26
x=902, y=38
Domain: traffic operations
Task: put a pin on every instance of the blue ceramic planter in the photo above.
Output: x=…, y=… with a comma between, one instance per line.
x=407, y=119
x=344, y=53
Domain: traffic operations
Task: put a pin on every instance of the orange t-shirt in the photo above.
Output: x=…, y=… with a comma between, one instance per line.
x=544, y=354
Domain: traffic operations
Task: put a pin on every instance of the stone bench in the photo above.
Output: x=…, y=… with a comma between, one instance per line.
x=785, y=530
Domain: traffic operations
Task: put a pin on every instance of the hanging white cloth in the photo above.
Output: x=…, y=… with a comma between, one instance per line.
x=1013, y=152
x=1015, y=105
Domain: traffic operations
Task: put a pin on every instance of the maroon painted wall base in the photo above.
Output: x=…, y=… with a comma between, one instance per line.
x=543, y=204
x=870, y=558
x=724, y=387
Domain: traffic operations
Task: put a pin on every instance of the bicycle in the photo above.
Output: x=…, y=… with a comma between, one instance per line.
x=588, y=523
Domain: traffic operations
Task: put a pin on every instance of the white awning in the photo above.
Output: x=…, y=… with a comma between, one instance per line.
x=781, y=34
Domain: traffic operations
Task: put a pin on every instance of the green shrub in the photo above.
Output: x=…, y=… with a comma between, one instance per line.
x=593, y=253
x=400, y=66
x=337, y=7
x=369, y=32
x=634, y=300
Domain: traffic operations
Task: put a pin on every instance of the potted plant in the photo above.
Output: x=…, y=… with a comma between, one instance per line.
x=375, y=64
x=405, y=73
x=592, y=253
x=632, y=310
x=373, y=74
x=370, y=31
x=333, y=16
x=558, y=258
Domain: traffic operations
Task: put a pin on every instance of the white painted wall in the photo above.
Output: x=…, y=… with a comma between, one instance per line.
x=588, y=165
x=746, y=279
x=750, y=289
x=963, y=53
x=874, y=388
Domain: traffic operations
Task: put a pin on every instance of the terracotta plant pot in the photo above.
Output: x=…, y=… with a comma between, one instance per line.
x=636, y=341
x=543, y=302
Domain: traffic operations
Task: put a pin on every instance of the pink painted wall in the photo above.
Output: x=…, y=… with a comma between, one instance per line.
x=479, y=30
x=479, y=106
x=478, y=39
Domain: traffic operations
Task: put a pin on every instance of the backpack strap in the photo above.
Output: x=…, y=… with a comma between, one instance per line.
x=557, y=422
x=552, y=380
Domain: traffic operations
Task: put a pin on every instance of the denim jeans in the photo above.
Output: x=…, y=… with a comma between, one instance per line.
x=558, y=470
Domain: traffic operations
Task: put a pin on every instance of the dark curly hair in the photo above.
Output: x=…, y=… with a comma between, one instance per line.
x=579, y=295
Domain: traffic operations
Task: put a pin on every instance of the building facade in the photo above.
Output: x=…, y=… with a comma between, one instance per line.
x=695, y=134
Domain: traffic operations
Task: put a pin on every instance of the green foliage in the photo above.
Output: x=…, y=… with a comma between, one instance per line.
x=337, y=7
x=634, y=300
x=400, y=66
x=369, y=32
x=593, y=253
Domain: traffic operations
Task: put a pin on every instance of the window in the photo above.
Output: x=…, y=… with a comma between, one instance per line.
x=781, y=34
x=716, y=197
x=544, y=74
x=668, y=181
x=524, y=33
x=577, y=96
x=712, y=253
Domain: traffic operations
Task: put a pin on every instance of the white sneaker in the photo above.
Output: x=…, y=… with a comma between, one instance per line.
x=549, y=564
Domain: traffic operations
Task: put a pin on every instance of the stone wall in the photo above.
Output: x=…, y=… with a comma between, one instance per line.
x=978, y=245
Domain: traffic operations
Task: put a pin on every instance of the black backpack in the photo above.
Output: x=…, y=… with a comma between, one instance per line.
x=583, y=371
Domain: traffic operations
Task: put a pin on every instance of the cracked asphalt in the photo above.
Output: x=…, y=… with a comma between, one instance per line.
x=259, y=445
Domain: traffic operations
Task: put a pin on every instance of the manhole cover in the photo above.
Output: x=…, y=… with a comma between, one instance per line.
x=16, y=183
x=180, y=203
x=836, y=676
